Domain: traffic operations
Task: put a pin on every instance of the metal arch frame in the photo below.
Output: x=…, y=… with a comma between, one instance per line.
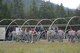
x=24, y=19
x=5, y=19
x=19, y=19
x=28, y=21
x=70, y=21
x=8, y=19
x=41, y=21
x=11, y=20
x=56, y=20
x=14, y=21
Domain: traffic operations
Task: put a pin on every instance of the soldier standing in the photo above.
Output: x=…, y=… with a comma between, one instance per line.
x=71, y=34
x=49, y=35
x=30, y=36
x=14, y=35
x=9, y=36
x=78, y=35
x=60, y=35
x=19, y=35
x=38, y=35
x=34, y=36
x=26, y=37
x=53, y=35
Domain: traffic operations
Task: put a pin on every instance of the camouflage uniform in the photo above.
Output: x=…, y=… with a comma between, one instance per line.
x=78, y=35
x=38, y=35
x=49, y=35
x=60, y=35
x=13, y=35
x=30, y=36
x=34, y=36
x=19, y=35
x=71, y=34
x=53, y=35
x=9, y=36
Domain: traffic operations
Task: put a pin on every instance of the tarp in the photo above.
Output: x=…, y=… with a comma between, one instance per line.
x=2, y=32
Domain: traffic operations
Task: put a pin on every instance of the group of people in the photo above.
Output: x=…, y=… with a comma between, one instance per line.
x=74, y=35
x=32, y=35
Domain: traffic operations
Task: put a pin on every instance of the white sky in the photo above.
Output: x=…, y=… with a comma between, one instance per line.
x=73, y=4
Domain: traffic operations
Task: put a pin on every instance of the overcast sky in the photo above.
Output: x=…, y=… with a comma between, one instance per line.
x=73, y=4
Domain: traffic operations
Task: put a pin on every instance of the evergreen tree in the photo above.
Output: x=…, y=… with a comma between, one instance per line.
x=33, y=12
x=57, y=12
x=4, y=11
x=47, y=10
x=77, y=12
x=17, y=10
x=69, y=13
x=1, y=15
x=62, y=11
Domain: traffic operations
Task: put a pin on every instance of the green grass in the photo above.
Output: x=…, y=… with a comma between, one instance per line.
x=40, y=47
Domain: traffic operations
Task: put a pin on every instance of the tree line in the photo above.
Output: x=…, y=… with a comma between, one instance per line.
x=46, y=10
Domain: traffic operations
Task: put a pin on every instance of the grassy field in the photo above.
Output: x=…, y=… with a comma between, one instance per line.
x=39, y=47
